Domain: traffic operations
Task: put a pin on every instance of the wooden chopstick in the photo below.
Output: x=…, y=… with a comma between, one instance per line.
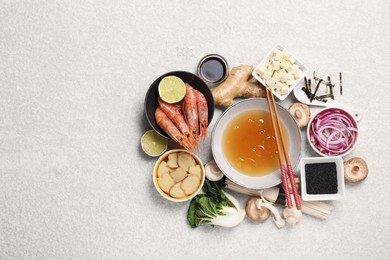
x=281, y=161
x=280, y=143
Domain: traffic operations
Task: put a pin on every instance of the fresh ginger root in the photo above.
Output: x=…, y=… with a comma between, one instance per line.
x=237, y=85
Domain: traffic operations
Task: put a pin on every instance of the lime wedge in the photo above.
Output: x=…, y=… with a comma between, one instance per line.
x=153, y=144
x=171, y=89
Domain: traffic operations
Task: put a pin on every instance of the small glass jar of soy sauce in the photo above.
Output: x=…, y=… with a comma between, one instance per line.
x=213, y=69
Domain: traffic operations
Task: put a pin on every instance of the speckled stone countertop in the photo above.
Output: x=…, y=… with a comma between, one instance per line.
x=74, y=182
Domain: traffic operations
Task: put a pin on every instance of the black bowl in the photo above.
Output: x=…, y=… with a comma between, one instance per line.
x=151, y=97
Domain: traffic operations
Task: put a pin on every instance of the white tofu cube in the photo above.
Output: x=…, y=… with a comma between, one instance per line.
x=270, y=82
x=276, y=65
x=286, y=55
x=282, y=72
x=278, y=57
x=260, y=71
x=298, y=74
x=289, y=82
x=283, y=91
x=290, y=76
x=288, y=68
x=280, y=84
x=286, y=65
x=267, y=74
x=276, y=76
x=282, y=77
x=295, y=67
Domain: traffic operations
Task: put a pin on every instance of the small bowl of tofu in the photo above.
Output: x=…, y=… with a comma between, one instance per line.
x=280, y=71
x=178, y=175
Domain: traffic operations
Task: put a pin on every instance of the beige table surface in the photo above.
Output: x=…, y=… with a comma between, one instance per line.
x=74, y=182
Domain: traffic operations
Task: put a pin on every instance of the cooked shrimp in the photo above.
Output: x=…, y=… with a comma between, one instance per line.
x=170, y=129
x=190, y=111
x=203, y=113
x=173, y=112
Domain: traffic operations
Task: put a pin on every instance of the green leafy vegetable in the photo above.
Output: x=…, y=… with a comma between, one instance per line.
x=213, y=189
x=214, y=207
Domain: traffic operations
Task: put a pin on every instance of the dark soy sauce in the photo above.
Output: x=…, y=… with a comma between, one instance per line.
x=213, y=69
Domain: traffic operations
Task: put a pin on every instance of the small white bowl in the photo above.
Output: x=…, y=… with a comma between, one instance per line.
x=167, y=196
x=340, y=178
x=267, y=57
x=344, y=112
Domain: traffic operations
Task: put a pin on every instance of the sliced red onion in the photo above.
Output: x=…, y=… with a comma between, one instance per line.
x=333, y=132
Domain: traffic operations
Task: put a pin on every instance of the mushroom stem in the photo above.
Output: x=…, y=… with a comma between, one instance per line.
x=262, y=202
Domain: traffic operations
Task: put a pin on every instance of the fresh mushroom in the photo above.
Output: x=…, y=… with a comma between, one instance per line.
x=292, y=215
x=301, y=113
x=355, y=170
x=256, y=214
x=213, y=173
x=262, y=202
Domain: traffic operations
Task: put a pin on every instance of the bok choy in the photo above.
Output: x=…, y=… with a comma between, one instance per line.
x=215, y=207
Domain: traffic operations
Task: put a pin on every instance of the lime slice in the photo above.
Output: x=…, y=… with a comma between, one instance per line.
x=171, y=89
x=153, y=144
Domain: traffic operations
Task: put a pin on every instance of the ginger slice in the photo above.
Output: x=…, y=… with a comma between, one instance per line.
x=162, y=169
x=196, y=171
x=172, y=160
x=179, y=174
x=165, y=182
x=176, y=191
x=185, y=160
x=190, y=184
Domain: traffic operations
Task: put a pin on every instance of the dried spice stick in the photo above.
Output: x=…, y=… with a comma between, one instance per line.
x=330, y=86
x=319, y=81
x=315, y=91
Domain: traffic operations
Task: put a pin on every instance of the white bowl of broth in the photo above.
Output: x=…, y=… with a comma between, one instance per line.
x=243, y=143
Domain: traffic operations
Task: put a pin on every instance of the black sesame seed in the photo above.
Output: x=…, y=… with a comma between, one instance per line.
x=321, y=178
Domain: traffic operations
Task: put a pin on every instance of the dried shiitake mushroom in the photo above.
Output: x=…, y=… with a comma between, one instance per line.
x=355, y=170
x=301, y=113
x=254, y=213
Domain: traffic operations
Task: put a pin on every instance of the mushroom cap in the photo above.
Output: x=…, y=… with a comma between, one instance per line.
x=254, y=213
x=301, y=113
x=212, y=172
x=355, y=170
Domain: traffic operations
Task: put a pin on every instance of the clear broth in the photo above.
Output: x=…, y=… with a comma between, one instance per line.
x=249, y=143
